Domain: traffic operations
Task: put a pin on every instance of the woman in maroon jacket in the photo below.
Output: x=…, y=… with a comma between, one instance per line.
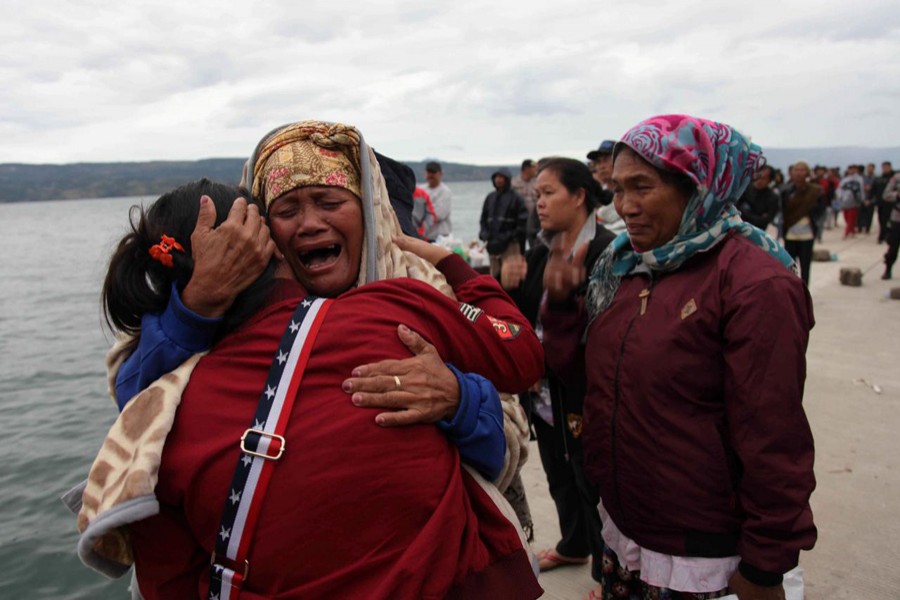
x=697, y=327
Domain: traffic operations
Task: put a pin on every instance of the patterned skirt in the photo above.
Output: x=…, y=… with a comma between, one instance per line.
x=621, y=584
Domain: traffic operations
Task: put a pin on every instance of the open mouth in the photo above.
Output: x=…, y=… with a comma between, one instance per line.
x=318, y=258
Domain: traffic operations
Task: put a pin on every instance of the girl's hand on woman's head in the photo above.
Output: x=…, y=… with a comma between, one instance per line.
x=425, y=250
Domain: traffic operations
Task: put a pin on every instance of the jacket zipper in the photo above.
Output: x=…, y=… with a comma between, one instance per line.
x=563, y=421
x=641, y=310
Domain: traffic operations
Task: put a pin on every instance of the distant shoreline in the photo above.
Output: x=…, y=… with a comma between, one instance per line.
x=31, y=183
x=21, y=182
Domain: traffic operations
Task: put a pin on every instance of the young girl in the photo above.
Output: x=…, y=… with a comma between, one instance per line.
x=154, y=259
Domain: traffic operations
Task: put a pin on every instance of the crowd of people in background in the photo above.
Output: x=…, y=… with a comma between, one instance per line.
x=809, y=202
x=798, y=207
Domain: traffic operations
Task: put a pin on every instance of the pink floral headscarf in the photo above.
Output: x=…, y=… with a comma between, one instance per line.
x=721, y=162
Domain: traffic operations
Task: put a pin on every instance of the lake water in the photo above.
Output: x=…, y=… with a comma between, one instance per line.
x=54, y=409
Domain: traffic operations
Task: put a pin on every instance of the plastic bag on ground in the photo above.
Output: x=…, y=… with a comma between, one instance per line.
x=793, y=586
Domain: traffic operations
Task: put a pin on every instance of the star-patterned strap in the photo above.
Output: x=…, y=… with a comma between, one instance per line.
x=261, y=446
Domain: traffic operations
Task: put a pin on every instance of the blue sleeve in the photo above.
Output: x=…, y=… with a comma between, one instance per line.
x=167, y=340
x=477, y=427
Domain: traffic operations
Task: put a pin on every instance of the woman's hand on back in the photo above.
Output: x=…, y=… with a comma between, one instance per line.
x=420, y=389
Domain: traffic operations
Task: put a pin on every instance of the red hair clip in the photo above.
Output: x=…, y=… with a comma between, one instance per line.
x=161, y=250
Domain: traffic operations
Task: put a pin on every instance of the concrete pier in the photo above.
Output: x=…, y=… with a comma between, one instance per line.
x=853, y=402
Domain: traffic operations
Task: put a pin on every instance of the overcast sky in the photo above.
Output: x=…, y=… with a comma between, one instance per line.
x=463, y=81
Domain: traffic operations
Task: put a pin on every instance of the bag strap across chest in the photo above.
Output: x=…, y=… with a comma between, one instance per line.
x=262, y=445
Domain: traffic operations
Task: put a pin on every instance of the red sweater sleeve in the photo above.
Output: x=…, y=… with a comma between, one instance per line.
x=481, y=291
x=766, y=328
x=484, y=333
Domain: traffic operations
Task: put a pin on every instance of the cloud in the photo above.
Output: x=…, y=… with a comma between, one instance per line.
x=841, y=22
x=467, y=81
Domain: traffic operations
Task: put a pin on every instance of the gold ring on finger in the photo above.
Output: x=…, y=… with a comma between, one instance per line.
x=397, y=382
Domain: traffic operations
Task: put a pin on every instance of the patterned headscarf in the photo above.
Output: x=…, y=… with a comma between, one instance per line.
x=320, y=153
x=721, y=162
x=304, y=163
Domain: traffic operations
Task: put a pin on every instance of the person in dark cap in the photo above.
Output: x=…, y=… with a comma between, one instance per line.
x=601, y=168
x=603, y=156
x=601, y=162
x=504, y=220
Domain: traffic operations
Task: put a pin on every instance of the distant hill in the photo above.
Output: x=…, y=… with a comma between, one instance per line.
x=20, y=182
x=24, y=182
